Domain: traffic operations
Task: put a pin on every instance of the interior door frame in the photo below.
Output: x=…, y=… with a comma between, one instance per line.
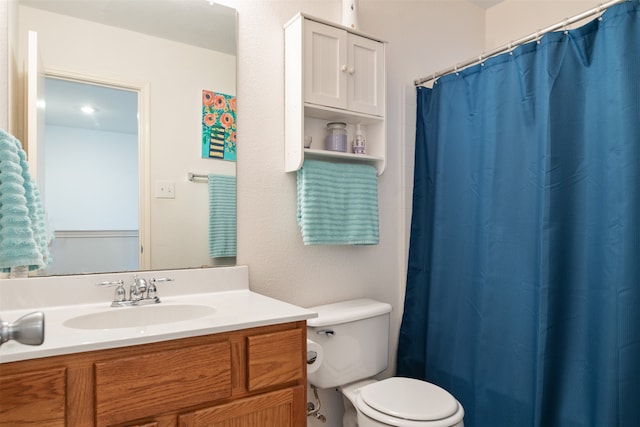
x=144, y=185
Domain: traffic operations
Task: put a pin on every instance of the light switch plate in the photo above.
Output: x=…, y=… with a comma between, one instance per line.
x=165, y=190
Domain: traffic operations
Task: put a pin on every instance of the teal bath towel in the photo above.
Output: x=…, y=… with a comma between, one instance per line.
x=222, y=216
x=23, y=239
x=338, y=203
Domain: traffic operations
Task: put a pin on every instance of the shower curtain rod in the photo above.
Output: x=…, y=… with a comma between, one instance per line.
x=510, y=46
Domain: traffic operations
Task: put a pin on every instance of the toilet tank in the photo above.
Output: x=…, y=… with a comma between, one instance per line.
x=354, y=337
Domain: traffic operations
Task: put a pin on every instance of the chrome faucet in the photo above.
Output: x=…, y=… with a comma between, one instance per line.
x=141, y=292
x=138, y=288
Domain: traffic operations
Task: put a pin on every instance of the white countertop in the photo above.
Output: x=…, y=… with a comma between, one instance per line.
x=233, y=310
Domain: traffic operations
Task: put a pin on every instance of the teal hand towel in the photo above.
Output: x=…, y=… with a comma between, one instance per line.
x=338, y=203
x=222, y=216
x=23, y=240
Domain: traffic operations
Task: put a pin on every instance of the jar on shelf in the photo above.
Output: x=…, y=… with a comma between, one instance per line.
x=336, y=138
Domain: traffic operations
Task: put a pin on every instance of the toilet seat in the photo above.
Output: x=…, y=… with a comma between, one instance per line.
x=406, y=402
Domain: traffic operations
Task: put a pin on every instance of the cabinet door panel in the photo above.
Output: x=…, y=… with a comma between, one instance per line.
x=273, y=409
x=325, y=55
x=366, y=75
x=274, y=359
x=34, y=398
x=157, y=383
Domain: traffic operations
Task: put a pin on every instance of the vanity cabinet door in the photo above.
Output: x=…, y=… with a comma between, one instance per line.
x=136, y=387
x=275, y=359
x=274, y=409
x=33, y=398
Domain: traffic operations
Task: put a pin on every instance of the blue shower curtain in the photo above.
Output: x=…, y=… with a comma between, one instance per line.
x=523, y=287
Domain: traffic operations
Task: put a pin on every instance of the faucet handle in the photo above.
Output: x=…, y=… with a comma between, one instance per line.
x=120, y=294
x=153, y=281
x=117, y=282
x=162, y=279
x=152, y=285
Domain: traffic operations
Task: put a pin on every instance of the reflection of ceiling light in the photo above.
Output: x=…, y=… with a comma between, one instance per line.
x=211, y=2
x=87, y=109
x=41, y=104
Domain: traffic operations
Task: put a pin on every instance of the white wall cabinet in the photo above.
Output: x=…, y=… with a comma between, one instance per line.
x=333, y=73
x=342, y=70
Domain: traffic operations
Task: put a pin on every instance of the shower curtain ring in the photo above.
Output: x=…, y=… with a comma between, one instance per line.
x=564, y=26
x=455, y=70
x=600, y=12
x=480, y=60
x=509, y=47
x=538, y=37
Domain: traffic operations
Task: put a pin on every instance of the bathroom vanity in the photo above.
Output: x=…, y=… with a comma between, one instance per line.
x=255, y=377
x=242, y=364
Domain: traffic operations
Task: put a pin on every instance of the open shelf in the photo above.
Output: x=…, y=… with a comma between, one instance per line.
x=328, y=155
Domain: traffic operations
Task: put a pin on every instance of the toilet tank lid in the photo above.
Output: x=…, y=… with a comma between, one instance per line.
x=347, y=311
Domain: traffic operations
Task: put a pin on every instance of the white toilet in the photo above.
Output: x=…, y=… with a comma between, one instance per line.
x=353, y=339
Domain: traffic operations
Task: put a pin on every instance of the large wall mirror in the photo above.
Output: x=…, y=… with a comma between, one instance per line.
x=147, y=180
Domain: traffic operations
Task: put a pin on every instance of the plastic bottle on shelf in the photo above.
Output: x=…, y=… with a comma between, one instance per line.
x=359, y=143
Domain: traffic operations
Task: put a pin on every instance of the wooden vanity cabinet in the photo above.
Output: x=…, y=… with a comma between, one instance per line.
x=253, y=377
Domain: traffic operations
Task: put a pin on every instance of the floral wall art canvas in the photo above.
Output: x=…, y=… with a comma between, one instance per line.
x=218, y=126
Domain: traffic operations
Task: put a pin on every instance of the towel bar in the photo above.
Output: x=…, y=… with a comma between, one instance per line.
x=193, y=176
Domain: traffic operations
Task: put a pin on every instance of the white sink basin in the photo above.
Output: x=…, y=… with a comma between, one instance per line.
x=129, y=317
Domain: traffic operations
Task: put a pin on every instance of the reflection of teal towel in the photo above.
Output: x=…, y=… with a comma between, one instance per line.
x=23, y=240
x=222, y=216
x=338, y=204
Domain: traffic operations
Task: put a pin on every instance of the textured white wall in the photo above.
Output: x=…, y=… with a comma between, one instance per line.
x=514, y=19
x=423, y=36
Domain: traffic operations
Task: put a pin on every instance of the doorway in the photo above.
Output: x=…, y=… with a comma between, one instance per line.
x=92, y=169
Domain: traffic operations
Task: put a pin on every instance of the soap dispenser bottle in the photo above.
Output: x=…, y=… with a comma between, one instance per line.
x=359, y=141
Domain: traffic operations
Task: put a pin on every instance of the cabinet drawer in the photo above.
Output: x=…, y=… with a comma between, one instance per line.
x=274, y=359
x=150, y=384
x=33, y=398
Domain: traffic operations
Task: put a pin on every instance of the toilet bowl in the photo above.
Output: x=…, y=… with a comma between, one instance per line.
x=353, y=336
x=403, y=402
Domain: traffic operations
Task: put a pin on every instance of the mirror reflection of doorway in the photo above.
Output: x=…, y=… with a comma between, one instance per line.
x=91, y=165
